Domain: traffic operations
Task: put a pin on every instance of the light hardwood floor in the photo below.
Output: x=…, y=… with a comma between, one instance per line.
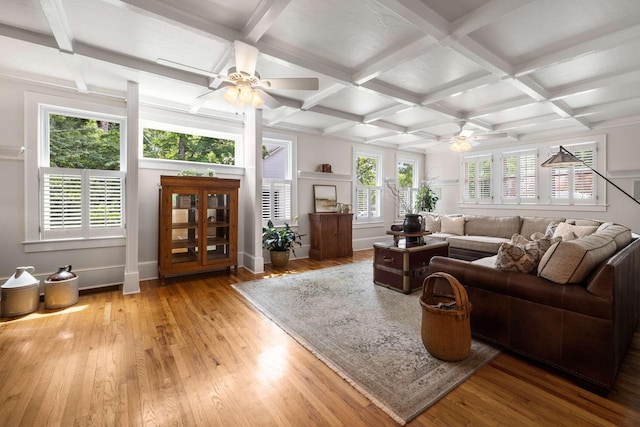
x=193, y=352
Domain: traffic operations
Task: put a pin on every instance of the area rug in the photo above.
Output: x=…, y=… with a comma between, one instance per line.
x=369, y=335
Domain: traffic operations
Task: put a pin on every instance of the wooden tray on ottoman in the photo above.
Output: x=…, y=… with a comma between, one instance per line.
x=404, y=268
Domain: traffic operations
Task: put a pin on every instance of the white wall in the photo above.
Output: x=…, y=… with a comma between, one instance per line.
x=623, y=168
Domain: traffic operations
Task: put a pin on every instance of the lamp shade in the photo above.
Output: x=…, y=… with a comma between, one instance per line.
x=562, y=158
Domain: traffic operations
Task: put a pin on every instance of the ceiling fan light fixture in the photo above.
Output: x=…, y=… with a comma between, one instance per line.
x=460, y=145
x=231, y=95
x=257, y=101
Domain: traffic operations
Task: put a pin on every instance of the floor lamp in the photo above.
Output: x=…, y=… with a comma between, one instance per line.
x=564, y=158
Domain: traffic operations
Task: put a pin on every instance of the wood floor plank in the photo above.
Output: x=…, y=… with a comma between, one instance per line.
x=194, y=352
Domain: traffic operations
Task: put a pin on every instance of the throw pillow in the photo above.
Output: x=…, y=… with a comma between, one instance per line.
x=523, y=255
x=452, y=225
x=579, y=230
x=551, y=228
x=432, y=223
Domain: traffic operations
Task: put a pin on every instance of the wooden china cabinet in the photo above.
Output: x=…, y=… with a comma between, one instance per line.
x=198, y=225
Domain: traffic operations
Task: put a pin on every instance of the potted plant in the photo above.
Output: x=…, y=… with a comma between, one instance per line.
x=280, y=242
x=425, y=199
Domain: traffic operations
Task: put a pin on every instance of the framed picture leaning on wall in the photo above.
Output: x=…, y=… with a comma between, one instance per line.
x=325, y=198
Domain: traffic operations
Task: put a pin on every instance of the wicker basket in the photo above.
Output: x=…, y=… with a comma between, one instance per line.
x=446, y=332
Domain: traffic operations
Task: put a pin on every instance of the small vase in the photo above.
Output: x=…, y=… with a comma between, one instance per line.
x=412, y=223
x=279, y=259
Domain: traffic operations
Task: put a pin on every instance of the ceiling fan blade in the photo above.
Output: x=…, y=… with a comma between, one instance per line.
x=246, y=57
x=303, y=83
x=466, y=133
x=490, y=136
x=189, y=68
x=269, y=101
x=213, y=93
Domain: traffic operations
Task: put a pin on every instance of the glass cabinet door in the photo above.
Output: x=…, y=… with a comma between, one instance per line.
x=218, y=226
x=184, y=227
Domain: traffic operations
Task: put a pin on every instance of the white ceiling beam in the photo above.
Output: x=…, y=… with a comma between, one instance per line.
x=418, y=128
x=485, y=15
x=482, y=56
x=597, y=44
x=321, y=95
x=623, y=121
x=445, y=111
x=337, y=114
x=262, y=19
x=57, y=18
x=296, y=128
x=380, y=137
x=59, y=24
x=393, y=56
x=566, y=112
x=468, y=83
x=392, y=93
x=140, y=64
x=28, y=36
x=530, y=87
x=386, y=112
x=389, y=126
x=595, y=83
x=420, y=15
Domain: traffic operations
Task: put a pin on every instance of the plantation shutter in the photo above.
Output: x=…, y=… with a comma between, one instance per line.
x=528, y=168
x=405, y=197
x=81, y=203
x=575, y=184
x=470, y=179
x=583, y=177
x=484, y=179
x=509, y=177
x=276, y=201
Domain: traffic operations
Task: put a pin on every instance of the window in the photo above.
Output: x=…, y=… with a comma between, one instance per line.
x=477, y=179
x=519, y=177
x=368, y=185
x=190, y=145
x=575, y=184
x=407, y=181
x=277, y=180
x=81, y=184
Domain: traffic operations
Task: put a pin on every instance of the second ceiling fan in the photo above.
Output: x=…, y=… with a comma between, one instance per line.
x=243, y=85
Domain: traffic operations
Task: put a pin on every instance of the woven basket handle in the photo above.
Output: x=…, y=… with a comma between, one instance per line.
x=459, y=293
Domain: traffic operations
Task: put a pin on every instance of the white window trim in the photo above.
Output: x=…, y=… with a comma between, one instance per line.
x=291, y=173
x=115, y=109
x=357, y=151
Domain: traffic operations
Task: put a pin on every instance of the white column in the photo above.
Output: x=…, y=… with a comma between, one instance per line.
x=252, y=204
x=131, y=274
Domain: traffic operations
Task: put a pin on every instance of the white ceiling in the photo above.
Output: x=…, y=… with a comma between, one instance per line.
x=399, y=73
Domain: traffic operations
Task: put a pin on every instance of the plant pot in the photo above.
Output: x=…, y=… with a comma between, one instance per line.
x=279, y=258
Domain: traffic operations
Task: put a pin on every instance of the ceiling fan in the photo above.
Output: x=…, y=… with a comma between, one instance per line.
x=465, y=139
x=243, y=84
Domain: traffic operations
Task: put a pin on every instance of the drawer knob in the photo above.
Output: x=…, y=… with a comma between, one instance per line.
x=385, y=259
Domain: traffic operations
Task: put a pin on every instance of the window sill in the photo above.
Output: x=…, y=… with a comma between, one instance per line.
x=370, y=224
x=535, y=207
x=70, y=244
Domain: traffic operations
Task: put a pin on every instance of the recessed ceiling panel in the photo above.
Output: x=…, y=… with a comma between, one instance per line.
x=343, y=32
x=522, y=113
x=479, y=98
x=304, y=119
x=29, y=58
x=429, y=72
x=356, y=101
x=114, y=28
x=606, y=95
x=545, y=26
x=413, y=116
x=26, y=14
x=233, y=14
x=452, y=10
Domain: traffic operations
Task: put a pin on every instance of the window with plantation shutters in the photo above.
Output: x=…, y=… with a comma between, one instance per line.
x=81, y=185
x=81, y=203
x=277, y=183
x=519, y=177
x=368, y=187
x=477, y=179
x=575, y=184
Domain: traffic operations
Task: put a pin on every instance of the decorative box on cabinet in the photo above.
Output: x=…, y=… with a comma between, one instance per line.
x=198, y=225
x=330, y=235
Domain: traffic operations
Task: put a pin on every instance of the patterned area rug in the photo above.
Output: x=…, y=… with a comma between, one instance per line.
x=369, y=335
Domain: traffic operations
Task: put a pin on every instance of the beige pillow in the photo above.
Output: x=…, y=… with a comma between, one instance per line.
x=452, y=225
x=432, y=223
x=579, y=230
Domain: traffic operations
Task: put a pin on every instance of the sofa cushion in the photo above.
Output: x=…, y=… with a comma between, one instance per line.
x=536, y=224
x=571, y=261
x=619, y=233
x=495, y=226
x=579, y=230
x=452, y=225
x=583, y=222
x=523, y=255
x=477, y=243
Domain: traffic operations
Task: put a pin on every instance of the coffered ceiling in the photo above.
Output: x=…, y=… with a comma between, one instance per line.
x=403, y=73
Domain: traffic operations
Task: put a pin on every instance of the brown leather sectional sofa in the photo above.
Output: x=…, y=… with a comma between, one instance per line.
x=582, y=327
